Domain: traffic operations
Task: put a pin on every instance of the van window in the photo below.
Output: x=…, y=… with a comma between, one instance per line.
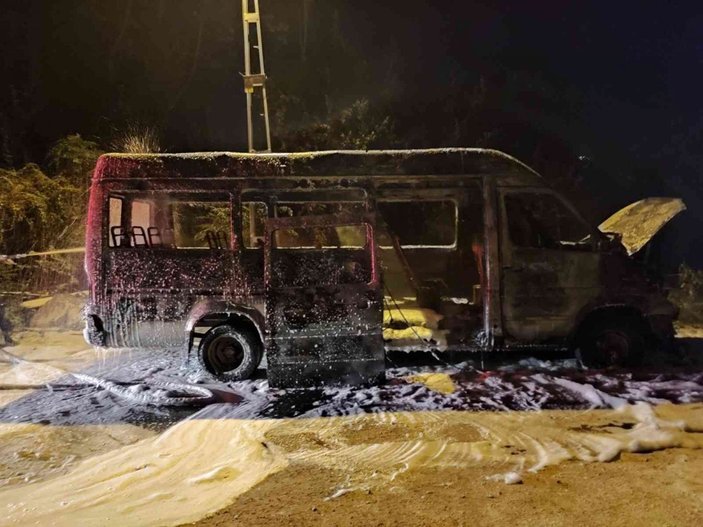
x=114, y=219
x=339, y=236
x=165, y=222
x=201, y=225
x=335, y=237
x=254, y=214
x=543, y=221
x=141, y=214
x=141, y=221
x=420, y=224
x=317, y=208
x=300, y=257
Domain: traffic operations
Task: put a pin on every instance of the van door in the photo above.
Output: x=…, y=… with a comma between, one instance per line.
x=323, y=302
x=550, y=264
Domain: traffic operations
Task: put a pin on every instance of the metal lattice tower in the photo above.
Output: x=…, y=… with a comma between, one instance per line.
x=254, y=81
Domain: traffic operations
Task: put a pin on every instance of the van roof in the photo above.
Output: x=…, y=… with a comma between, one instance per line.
x=436, y=161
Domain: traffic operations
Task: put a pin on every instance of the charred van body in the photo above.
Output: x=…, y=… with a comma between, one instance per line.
x=323, y=260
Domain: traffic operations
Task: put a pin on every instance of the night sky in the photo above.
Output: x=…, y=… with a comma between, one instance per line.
x=619, y=82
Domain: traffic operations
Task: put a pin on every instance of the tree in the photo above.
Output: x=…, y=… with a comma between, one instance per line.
x=74, y=158
x=38, y=212
x=357, y=127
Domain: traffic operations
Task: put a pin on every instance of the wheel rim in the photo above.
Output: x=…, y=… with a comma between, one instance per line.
x=225, y=354
x=613, y=346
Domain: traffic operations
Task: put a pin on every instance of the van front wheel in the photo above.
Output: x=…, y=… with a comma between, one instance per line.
x=230, y=353
x=612, y=343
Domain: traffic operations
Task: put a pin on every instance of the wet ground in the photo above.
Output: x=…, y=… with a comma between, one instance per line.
x=414, y=382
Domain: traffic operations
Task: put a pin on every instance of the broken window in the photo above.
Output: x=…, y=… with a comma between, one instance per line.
x=141, y=221
x=161, y=222
x=334, y=237
x=115, y=220
x=301, y=257
x=420, y=223
x=254, y=214
x=317, y=208
x=201, y=225
x=543, y=221
x=338, y=236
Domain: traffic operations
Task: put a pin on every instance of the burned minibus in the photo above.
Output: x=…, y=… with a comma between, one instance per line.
x=324, y=261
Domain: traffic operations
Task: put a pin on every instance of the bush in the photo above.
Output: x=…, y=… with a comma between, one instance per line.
x=73, y=158
x=38, y=212
x=689, y=295
x=691, y=282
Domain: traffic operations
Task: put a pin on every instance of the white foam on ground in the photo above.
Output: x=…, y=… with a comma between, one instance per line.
x=194, y=468
x=201, y=465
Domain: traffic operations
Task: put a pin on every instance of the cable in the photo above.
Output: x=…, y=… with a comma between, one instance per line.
x=412, y=328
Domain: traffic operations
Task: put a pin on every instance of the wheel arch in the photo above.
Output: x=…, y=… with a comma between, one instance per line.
x=598, y=314
x=212, y=313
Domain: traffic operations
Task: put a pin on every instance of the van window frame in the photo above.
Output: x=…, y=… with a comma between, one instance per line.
x=506, y=238
x=128, y=196
x=411, y=193
x=273, y=197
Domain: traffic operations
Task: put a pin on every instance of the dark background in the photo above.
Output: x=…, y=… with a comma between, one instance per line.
x=602, y=97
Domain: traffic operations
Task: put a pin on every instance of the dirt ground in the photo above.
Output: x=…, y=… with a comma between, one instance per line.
x=658, y=489
x=655, y=488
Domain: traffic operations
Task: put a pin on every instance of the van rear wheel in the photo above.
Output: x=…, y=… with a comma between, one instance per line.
x=230, y=353
x=618, y=342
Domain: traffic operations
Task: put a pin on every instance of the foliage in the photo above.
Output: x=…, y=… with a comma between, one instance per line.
x=197, y=219
x=44, y=274
x=357, y=127
x=37, y=212
x=73, y=158
x=689, y=295
x=691, y=283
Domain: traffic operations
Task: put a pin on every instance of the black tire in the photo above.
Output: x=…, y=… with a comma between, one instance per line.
x=619, y=341
x=230, y=353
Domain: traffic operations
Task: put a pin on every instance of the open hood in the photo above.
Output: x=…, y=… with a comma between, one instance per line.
x=640, y=221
